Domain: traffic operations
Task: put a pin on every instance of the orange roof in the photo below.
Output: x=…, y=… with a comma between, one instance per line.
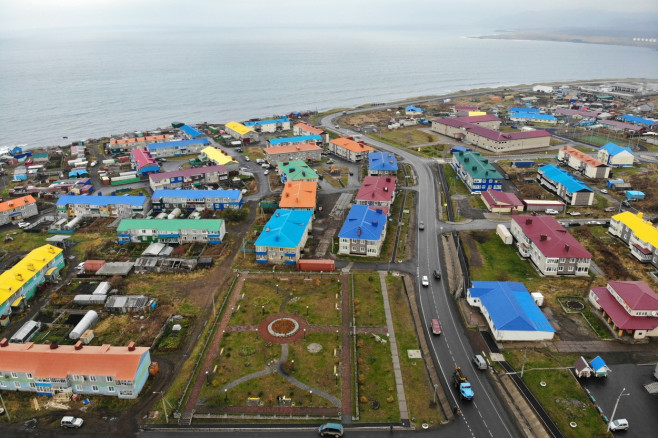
x=582, y=156
x=299, y=194
x=354, y=146
x=309, y=128
x=18, y=202
x=140, y=139
x=65, y=360
x=301, y=147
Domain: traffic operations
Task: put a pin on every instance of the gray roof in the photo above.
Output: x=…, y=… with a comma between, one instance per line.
x=116, y=268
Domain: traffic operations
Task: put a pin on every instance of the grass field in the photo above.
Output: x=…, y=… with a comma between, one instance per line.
x=368, y=303
x=406, y=137
x=457, y=187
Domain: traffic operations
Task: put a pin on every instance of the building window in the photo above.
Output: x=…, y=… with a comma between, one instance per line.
x=570, y=268
x=563, y=260
x=92, y=378
x=17, y=384
x=78, y=387
x=3, y=384
x=94, y=388
x=33, y=385
x=28, y=375
x=560, y=268
x=109, y=379
x=14, y=375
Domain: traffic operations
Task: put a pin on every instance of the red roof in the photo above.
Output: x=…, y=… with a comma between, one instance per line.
x=465, y=108
x=551, y=238
x=619, y=315
x=637, y=294
x=299, y=147
x=142, y=158
x=582, y=156
x=479, y=119
x=621, y=125
x=376, y=189
x=492, y=134
x=496, y=198
x=309, y=128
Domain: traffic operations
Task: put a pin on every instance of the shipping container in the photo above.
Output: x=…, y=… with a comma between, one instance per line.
x=523, y=163
x=93, y=265
x=504, y=234
x=317, y=265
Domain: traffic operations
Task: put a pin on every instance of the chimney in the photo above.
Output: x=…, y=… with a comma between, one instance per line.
x=566, y=247
x=542, y=237
x=379, y=211
x=54, y=346
x=358, y=231
x=131, y=346
x=388, y=179
x=528, y=221
x=4, y=342
x=78, y=345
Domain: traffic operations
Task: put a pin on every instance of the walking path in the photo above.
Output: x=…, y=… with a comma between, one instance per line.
x=399, y=384
x=345, y=350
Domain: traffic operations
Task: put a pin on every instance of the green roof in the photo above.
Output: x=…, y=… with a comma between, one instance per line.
x=477, y=166
x=170, y=224
x=297, y=170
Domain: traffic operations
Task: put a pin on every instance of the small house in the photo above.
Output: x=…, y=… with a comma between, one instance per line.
x=582, y=368
x=599, y=367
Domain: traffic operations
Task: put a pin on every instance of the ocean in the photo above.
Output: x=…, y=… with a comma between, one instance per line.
x=91, y=84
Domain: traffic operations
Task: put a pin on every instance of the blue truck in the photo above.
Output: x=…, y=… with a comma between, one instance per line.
x=462, y=384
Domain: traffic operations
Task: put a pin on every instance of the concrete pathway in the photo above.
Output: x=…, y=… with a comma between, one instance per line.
x=399, y=384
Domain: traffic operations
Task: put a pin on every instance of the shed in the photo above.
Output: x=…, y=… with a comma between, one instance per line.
x=582, y=368
x=205, y=262
x=599, y=367
x=93, y=265
x=127, y=303
x=116, y=268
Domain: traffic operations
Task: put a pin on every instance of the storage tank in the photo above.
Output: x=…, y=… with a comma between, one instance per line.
x=89, y=300
x=174, y=214
x=89, y=320
x=538, y=298
x=103, y=288
x=71, y=225
x=161, y=215
x=504, y=234
x=194, y=215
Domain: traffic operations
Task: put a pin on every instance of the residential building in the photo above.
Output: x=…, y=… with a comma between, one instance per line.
x=349, y=149
x=616, y=156
x=412, y=110
x=296, y=170
x=630, y=307
x=219, y=157
x=241, y=132
x=549, y=246
x=48, y=369
x=363, y=231
x=464, y=110
x=103, y=206
x=284, y=236
x=178, y=148
x=191, y=132
x=299, y=195
x=476, y=172
x=566, y=186
x=19, y=283
x=498, y=201
x=168, y=199
x=382, y=163
x=17, y=210
x=485, y=120
x=211, y=231
x=143, y=163
x=630, y=118
x=272, y=125
x=510, y=311
x=525, y=116
x=623, y=127
x=639, y=234
x=120, y=145
x=301, y=151
x=377, y=191
x=188, y=178
x=583, y=163
x=585, y=115
x=288, y=141
x=302, y=129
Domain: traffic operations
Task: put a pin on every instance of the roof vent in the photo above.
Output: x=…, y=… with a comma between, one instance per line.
x=388, y=180
x=358, y=231
x=375, y=223
x=528, y=221
x=386, y=189
x=4, y=342
x=277, y=214
x=566, y=247
x=267, y=229
x=78, y=345
x=11, y=204
x=131, y=346
x=543, y=237
x=379, y=211
x=54, y=346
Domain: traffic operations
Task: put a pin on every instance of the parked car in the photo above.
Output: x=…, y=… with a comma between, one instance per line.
x=604, y=191
x=331, y=429
x=551, y=211
x=610, y=209
x=479, y=362
x=421, y=225
x=618, y=424
x=626, y=203
x=436, y=327
x=437, y=274
x=93, y=163
x=23, y=224
x=266, y=172
x=425, y=281
x=247, y=159
x=71, y=422
x=575, y=213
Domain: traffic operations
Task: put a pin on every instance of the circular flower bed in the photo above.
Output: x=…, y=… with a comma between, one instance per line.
x=283, y=327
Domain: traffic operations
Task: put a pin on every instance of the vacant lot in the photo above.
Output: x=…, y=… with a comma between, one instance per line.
x=405, y=137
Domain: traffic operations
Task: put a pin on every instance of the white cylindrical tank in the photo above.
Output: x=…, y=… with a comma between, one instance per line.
x=161, y=215
x=88, y=321
x=174, y=214
x=71, y=225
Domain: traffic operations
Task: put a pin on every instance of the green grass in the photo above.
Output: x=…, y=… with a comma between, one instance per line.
x=406, y=137
x=368, y=302
x=457, y=187
x=500, y=261
x=475, y=201
x=253, y=152
x=376, y=381
x=317, y=370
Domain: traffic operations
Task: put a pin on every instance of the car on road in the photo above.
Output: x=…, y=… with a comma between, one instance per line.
x=239, y=150
x=618, y=424
x=436, y=327
x=437, y=274
x=71, y=422
x=266, y=172
x=425, y=281
x=610, y=209
x=421, y=225
x=247, y=159
x=551, y=211
x=604, y=191
x=479, y=362
x=351, y=173
x=626, y=204
x=331, y=429
x=574, y=213
x=23, y=224
x=93, y=163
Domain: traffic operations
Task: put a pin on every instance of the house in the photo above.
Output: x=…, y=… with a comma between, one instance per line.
x=542, y=89
x=299, y=195
x=219, y=157
x=532, y=205
x=413, y=110
x=17, y=210
x=195, y=199
x=187, y=178
x=143, y=163
x=476, y=172
x=48, y=369
x=349, y=149
x=630, y=118
x=549, y=246
x=241, y=132
x=485, y=120
x=599, y=366
x=463, y=110
x=498, y=201
x=566, y=186
x=296, y=170
x=120, y=145
x=377, y=191
x=191, y=132
x=534, y=117
x=582, y=368
x=630, y=307
x=583, y=163
x=272, y=125
x=640, y=235
x=103, y=206
x=288, y=141
x=363, y=231
x=211, y=231
x=616, y=156
x=19, y=283
x=585, y=115
x=382, y=163
x=302, y=129
x=301, y=151
x=623, y=127
x=284, y=237
x=510, y=311
x=177, y=148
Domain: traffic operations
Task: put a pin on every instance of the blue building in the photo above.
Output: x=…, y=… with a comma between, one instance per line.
x=363, y=231
x=168, y=199
x=191, y=132
x=565, y=185
x=177, y=148
x=271, y=125
x=103, y=206
x=525, y=116
x=476, y=172
x=382, y=163
x=510, y=311
x=638, y=120
x=523, y=109
x=283, y=237
x=287, y=141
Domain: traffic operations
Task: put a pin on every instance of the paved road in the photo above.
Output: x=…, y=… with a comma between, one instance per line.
x=484, y=416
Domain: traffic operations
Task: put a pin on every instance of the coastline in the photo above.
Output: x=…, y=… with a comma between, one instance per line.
x=570, y=38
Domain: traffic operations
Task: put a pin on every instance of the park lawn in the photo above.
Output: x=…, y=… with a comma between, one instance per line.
x=23, y=242
x=368, y=302
x=406, y=137
x=457, y=187
x=418, y=389
x=254, y=152
x=259, y=300
x=320, y=298
x=475, y=201
x=432, y=151
x=268, y=387
x=562, y=397
x=317, y=370
x=376, y=381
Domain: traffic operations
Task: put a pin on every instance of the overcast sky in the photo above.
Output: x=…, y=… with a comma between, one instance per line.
x=17, y=15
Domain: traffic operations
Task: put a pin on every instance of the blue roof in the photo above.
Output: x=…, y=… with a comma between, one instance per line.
x=283, y=119
x=192, y=131
x=177, y=143
x=532, y=115
x=598, y=363
x=523, y=109
x=101, y=200
x=638, y=120
x=197, y=194
x=298, y=139
x=285, y=228
x=384, y=161
x=415, y=109
x=363, y=222
x=614, y=149
x=563, y=177
x=510, y=306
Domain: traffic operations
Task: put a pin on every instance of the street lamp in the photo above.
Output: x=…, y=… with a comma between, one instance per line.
x=311, y=394
x=263, y=309
x=435, y=386
x=306, y=310
x=277, y=289
x=226, y=395
x=164, y=407
x=207, y=376
x=616, y=403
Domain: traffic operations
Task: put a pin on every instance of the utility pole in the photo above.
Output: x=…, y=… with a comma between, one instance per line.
x=4, y=407
x=525, y=352
x=616, y=403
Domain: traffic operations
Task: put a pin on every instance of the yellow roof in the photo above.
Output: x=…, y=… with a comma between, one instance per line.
x=643, y=230
x=18, y=275
x=216, y=155
x=239, y=128
x=477, y=113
